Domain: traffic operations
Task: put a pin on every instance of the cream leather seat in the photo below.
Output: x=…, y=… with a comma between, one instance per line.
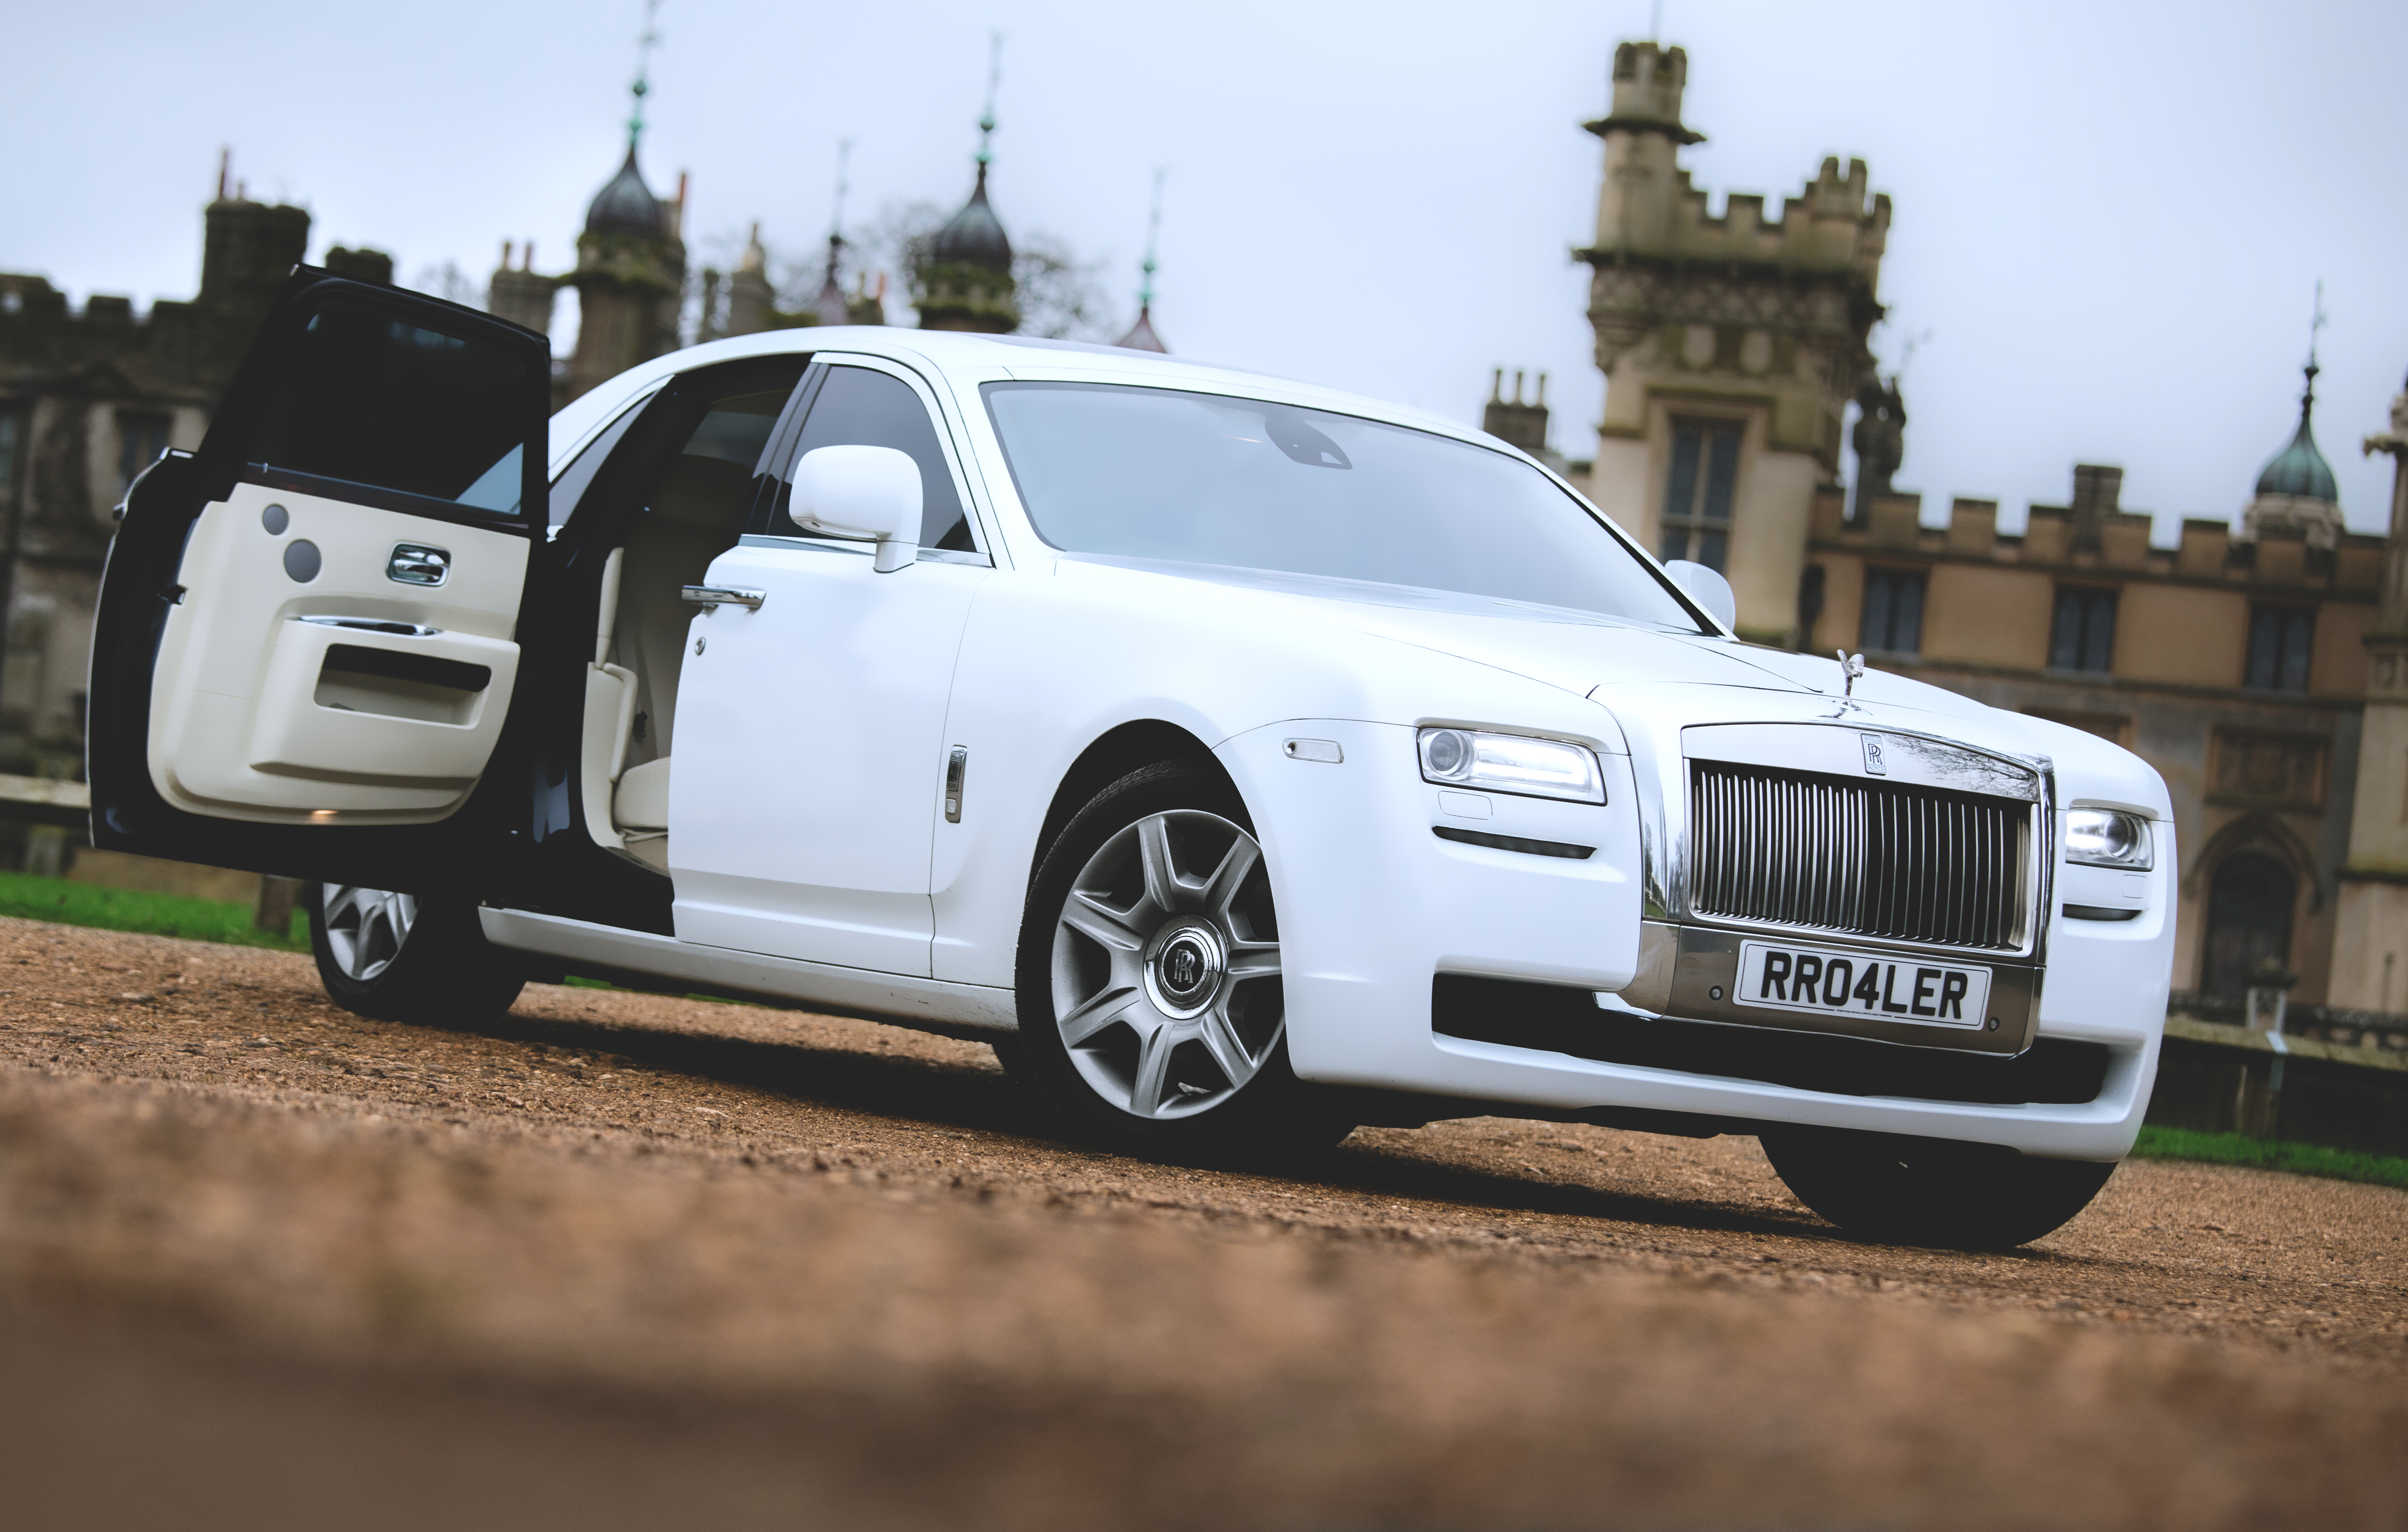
x=642, y=801
x=694, y=513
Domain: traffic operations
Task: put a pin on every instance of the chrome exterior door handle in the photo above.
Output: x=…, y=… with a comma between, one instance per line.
x=722, y=595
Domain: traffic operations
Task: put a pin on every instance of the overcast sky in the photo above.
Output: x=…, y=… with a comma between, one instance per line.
x=2109, y=219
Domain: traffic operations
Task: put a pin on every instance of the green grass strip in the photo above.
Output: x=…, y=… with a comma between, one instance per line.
x=2174, y=1143
x=31, y=897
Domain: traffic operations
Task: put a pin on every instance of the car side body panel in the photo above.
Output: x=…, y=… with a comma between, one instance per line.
x=1374, y=904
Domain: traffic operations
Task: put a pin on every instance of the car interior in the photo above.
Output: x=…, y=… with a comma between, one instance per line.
x=692, y=507
x=698, y=495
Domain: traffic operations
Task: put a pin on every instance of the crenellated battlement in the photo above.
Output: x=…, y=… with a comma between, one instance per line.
x=1832, y=224
x=1649, y=207
x=2095, y=537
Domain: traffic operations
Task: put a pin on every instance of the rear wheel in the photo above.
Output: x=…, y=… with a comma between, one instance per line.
x=1931, y=1191
x=403, y=958
x=1151, y=1009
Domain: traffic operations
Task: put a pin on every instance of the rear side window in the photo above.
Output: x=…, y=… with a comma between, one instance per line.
x=856, y=406
x=369, y=399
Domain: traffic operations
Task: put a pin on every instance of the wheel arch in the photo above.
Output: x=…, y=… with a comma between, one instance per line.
x=1111, y=756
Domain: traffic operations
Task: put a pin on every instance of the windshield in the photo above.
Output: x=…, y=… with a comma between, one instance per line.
x=1200, y=479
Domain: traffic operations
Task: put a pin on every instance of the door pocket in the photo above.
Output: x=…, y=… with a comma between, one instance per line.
x=341, y=701
x=432, y=690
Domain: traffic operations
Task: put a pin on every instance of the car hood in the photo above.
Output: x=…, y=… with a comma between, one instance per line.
x=1581, y=653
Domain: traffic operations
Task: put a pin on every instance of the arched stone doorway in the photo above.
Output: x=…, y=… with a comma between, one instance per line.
x=2249, y=910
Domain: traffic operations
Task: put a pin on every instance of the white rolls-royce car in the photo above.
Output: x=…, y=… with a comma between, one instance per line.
x=1245, y=760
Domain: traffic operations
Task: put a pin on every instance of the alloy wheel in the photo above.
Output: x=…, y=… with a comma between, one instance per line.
x=365, y=927
x=1166, y=966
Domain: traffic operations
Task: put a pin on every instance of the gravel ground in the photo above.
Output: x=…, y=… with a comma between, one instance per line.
x=623, y=1260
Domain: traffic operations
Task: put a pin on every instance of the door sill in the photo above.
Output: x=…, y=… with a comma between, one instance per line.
x=929, y=1003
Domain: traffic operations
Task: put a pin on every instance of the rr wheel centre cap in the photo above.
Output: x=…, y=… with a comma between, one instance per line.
x=1185, y=965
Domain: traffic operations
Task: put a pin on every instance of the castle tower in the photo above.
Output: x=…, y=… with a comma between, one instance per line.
x=1731, y=345
x=1513, y=420
x=963, y=282
x=630, y=276
x=246, y=250
x=2370, y=968
x=751, y=303
x=519, y=293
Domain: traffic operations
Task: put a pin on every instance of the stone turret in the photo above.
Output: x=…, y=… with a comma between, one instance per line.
x=965, y=282
x=2296, y=490
x=962, y=281
x=246, y=250
x=630, y=277
x=1515, y=422
x=751, y=303
x=519, y=293
x=1747, y=322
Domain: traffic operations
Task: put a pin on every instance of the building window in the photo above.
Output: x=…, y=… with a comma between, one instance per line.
x=1698, y=491
x=2248, y=920
x=141, y=436
x=2282, y=639
x=11, y=429
x=1894, y=611
x=2082, y=636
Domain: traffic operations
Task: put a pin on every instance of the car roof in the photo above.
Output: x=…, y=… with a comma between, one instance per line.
x=960, y=352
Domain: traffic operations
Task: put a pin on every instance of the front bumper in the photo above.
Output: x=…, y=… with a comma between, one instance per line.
x=1373, y=907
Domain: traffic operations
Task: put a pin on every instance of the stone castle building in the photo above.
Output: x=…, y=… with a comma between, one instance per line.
x=2261, y=666
x=87, y=401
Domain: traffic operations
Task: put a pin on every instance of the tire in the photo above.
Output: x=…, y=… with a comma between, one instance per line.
x=401, y=958
x=1931, y=1191
x=1151, y=1014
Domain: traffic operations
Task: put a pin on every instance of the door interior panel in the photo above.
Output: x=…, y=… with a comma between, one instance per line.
x=329, y=661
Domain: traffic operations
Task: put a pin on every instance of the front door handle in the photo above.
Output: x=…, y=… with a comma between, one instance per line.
x=722, y=595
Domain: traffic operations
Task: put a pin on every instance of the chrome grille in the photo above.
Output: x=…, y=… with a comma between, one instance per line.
x=1874, y=859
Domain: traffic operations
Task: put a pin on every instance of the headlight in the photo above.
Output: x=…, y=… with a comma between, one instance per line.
x=2107, y=838
x=1511, y=763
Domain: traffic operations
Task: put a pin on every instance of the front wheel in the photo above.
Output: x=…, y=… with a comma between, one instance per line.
x=402, y=958
x=1151, y=1009
x=1931, y=1191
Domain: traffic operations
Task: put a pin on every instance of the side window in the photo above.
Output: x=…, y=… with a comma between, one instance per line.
x=858, y=407
x=706, y=482
x=688, y=453
x=374, y=400
x=570, y=486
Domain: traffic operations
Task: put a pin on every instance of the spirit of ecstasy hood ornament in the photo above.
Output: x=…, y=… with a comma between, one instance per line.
x=1851, y=666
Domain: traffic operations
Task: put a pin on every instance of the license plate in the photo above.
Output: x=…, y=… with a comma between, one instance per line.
x=1833, y=981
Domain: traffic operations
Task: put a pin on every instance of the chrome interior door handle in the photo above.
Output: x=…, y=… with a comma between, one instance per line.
x=722, y=595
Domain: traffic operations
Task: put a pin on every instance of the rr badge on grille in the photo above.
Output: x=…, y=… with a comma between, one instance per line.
x=1874, y=763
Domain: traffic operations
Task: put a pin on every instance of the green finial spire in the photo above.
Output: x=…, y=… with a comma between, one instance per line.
x=643, y=69
x=1153, y=228
x=843, y=182
x=986, y=118
x=2316, y=324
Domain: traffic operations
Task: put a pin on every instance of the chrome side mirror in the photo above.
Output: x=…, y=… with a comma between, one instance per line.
x=1707, y=588
x=861, y=491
